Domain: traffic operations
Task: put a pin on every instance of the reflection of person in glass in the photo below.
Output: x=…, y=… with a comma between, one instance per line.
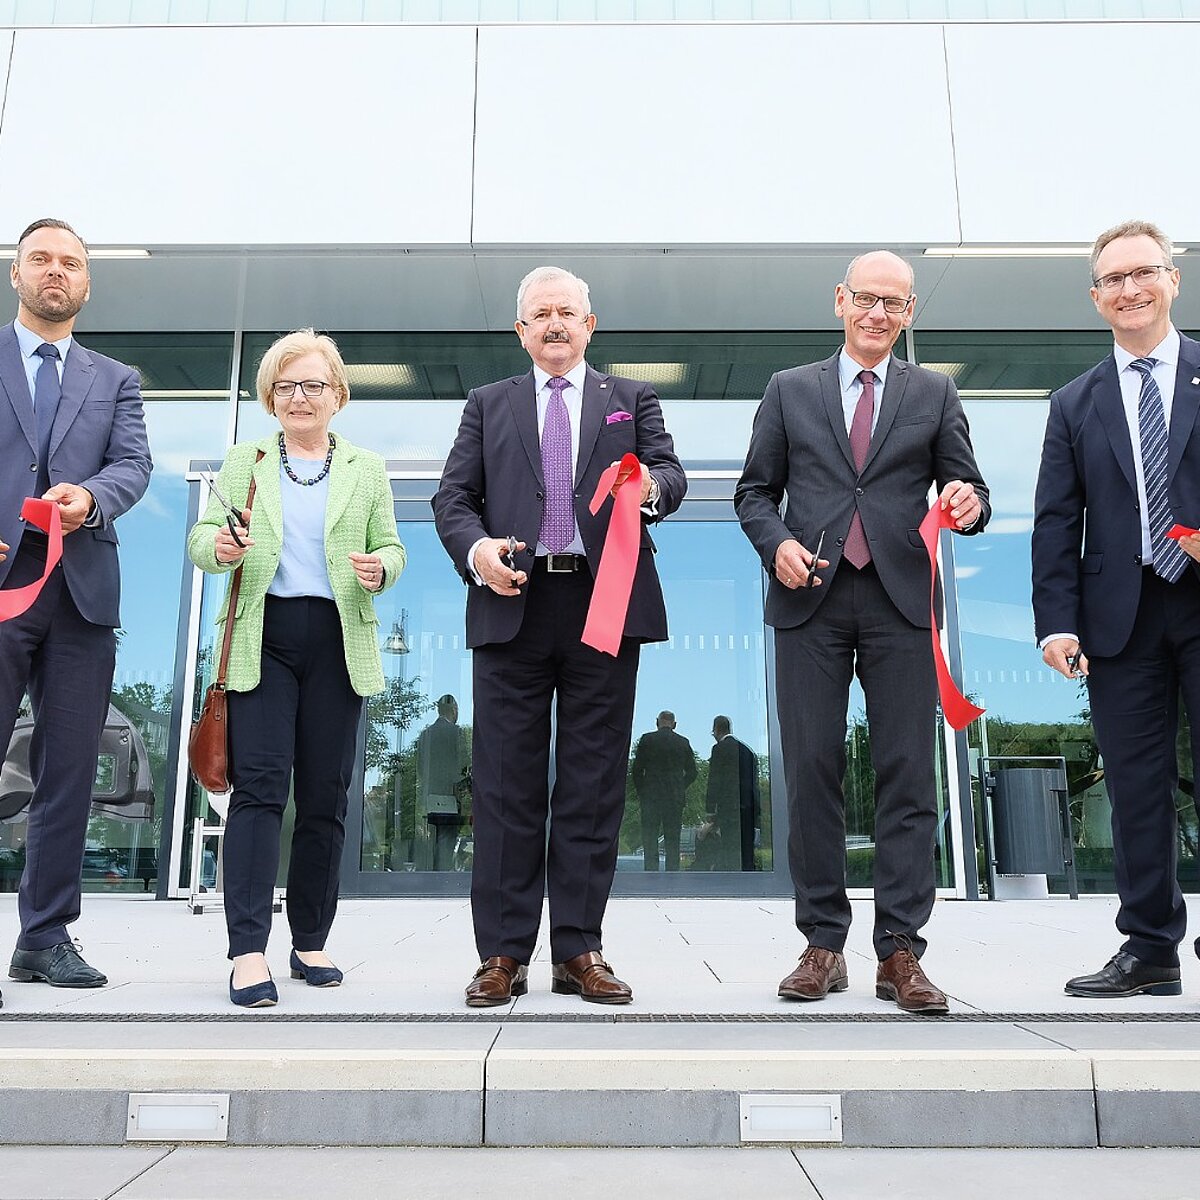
x=663, y=769
x=1117, y=601
x=525, y=464
x=71, y=431
x=441, y=761
x=732, y=800
x=855, y=443
x=322, y=543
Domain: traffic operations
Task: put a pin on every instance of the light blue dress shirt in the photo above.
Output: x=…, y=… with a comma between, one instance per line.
x=848, y=372
x=29, y=342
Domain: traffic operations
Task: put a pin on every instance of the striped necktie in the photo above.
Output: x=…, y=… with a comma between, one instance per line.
x=558, y=511
x=1169, y=560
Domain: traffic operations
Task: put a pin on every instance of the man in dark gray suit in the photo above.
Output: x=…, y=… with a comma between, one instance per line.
x=854, y=444
x=71, y=431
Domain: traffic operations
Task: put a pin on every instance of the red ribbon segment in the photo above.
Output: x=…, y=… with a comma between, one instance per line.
x=957, y=709
x=44, y=514
x=618, y=561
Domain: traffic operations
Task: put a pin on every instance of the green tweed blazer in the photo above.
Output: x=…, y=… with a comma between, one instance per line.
x=359, y=518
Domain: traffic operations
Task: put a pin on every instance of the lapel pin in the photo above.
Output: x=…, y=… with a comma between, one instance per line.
x=1196, y=381
x=604, y=385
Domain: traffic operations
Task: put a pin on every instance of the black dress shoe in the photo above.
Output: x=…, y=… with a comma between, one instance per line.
x=254, y=995
x=1124, y=975
x=59, y=966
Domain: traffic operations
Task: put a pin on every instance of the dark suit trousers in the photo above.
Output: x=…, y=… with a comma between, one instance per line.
x=662, y=811
x=858, y=629
x=1135, y=714
x=299, y=726
x=66, y=664
x=514, y=685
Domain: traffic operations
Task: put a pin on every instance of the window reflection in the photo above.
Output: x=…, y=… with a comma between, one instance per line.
x=417, y=787
x=712, y=667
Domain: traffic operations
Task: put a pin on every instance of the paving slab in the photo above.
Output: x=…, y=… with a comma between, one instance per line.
x=72, y=1172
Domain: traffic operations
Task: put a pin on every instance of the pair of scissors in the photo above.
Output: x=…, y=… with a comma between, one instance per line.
x=812, y=570
x=233, y=517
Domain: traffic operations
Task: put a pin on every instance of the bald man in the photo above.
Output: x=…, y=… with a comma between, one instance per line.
x=854, y=444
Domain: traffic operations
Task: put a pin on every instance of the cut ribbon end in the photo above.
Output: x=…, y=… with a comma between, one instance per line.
x=605, y=624
x=957, y=709
x=44, y=515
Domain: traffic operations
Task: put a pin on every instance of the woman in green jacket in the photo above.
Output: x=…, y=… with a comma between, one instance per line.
x=319, y=544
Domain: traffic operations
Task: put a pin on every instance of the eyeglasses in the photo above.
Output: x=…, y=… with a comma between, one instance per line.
x=563, y=316
x=285, y=389
x=891, y=304
x=1142, y=276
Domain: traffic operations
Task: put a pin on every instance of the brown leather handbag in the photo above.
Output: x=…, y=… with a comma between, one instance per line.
x=208, y=742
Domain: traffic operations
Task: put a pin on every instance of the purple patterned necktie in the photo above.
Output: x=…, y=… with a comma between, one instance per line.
x=558, y=513
x=857, y=551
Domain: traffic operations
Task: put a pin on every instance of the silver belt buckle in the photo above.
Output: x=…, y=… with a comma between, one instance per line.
x=560, y=564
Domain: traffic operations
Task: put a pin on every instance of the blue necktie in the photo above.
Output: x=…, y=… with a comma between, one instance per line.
x=47, y=393
x=558, y=511
x=1169, y=560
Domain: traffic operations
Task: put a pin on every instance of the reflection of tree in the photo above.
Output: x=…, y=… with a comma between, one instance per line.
x=397, y=708
x=393, y=711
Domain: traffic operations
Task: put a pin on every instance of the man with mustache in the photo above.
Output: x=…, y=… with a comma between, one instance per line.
x=525, y=464
x=1114, y=599
x=854, y=444
x=71, y=431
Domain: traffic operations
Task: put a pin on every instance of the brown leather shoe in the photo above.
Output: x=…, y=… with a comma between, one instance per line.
x=497, y=981
x=901, y=979
x=590, y=978
x=818, y=973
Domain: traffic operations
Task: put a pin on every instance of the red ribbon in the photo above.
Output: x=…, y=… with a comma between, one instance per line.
x=957, y=709
x=44, y=514
x=618, y=561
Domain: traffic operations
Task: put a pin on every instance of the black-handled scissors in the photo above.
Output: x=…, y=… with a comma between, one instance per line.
x=233, y=518
x=812, y=569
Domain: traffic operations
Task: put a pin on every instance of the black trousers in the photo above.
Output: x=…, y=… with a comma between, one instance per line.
x=66, y=664
x=298, y=726
x=858, y=630
x=514, y=686
x=1135, y=713
x=662, y=811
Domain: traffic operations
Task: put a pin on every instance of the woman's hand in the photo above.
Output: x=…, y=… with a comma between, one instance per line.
x=226, y=549
x=369, y=569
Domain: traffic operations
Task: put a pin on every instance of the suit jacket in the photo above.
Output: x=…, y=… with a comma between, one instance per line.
x=799, y=449
x=733, y=780
x=1087, y=574
x=98, y=441
x=359, y=518
x=664, y=766
x=492, y=486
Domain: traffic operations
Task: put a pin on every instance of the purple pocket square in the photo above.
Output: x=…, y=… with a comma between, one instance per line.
x=617, y=417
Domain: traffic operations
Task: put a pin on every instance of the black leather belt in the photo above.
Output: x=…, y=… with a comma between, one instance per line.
x=561, y=564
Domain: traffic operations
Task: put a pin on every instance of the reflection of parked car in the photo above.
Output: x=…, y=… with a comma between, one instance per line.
x=12, y=864
x=122, y=788
x=103, y=864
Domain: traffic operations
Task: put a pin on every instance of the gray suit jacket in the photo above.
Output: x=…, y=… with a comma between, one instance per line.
x=799, y=449
x=98, y=441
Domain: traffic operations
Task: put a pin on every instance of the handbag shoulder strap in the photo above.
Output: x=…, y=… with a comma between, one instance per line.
x=235, y=588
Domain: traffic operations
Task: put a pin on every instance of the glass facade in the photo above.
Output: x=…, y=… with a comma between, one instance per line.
x=411, y=816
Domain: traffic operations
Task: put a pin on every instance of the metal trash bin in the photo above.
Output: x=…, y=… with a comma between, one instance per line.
x=1027, y=824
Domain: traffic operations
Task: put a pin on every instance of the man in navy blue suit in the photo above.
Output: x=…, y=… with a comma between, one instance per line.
x=71, y=431
x=1114, y=598
x=526, y=461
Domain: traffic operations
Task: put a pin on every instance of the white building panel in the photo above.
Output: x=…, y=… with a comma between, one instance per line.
x=680, y=135
x=1062, y=130
x=208, y=136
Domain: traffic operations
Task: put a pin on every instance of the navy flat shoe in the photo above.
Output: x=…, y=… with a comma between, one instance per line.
x=315, y=976
x=257, y=995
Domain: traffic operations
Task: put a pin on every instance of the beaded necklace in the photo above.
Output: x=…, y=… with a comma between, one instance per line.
x=287, y=466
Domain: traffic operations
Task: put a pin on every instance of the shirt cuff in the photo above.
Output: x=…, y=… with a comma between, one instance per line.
x=95, y=518
x=471, y=562
x=650, y=508
x=1056, y=637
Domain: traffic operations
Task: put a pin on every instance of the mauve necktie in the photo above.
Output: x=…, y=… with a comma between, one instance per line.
x=1169, y=560
x=47, y=392
x=857, y=551
x=558, y=512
